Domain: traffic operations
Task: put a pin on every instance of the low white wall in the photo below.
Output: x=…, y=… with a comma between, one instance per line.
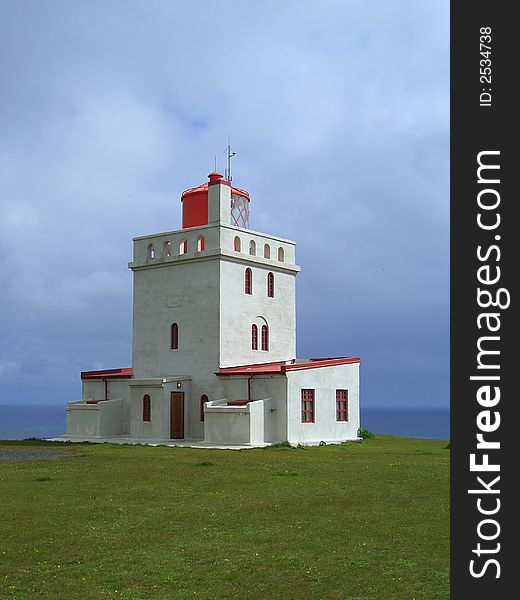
x=272, y=389
x=226, y=424
x=82, y=419
x=111, y=417
x=256, y=422
x=94, y=389
x=95, y=420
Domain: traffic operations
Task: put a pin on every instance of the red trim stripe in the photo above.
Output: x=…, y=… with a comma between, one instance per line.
x=125, y=373
x=283, y=367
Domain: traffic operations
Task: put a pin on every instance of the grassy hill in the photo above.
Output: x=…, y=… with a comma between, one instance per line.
x=359, y=521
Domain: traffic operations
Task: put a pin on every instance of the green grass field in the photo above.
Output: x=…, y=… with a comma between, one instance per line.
x=359, y=521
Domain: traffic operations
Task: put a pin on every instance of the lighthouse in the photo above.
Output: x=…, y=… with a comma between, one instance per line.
x=214, y=341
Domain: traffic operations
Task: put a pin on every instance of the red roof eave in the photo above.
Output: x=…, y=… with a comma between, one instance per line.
x=282, y=367
x=324, y=362
x=125, y=373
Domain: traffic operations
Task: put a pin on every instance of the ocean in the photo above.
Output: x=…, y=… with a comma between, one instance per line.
x=24, y=421
x=431, y=423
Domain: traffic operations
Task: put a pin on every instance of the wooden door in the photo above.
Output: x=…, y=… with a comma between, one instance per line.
x=177, y=415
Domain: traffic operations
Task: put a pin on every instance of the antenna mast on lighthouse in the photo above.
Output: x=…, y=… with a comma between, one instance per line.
x=229, y=153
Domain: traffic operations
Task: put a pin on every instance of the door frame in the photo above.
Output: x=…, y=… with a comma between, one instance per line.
x=177, y=435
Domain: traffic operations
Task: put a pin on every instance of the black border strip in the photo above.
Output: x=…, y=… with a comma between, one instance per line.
x=483, y=121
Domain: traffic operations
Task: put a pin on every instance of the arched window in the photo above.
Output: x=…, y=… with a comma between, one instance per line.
x=281, y=254
x=252, y=248
x=174, y=337
x=254, y=337
x=236, y=244
x=270, y=285
x=201, y=243
x=203, y=400
x=150, y=252
x=265, y=338
x=267, y=251
x=167, y=248
x=183, y=248
x=248, y=281
x=146, y=408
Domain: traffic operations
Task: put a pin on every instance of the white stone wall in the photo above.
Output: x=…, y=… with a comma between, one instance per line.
x=158, y=428
x=325, y=381
x=219, y=204
x=111, y=417
x=272, y=389
x=104, y=419
x=82, y=420
x=93, y=389
x=176, y=291
x=203, y=292
x=229, y=233
x=191, y=235
x=240, y=310
x=186, y=294
x=159, y=425
x=227, y=425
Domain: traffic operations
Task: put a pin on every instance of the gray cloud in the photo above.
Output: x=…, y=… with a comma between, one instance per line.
x=339, y=113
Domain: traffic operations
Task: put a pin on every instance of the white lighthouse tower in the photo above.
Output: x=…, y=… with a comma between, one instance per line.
x=214, y=341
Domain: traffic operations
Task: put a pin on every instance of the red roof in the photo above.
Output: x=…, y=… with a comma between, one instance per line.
x=204, y=188
x=107, y=374
x=283, y=366
x=279, y=367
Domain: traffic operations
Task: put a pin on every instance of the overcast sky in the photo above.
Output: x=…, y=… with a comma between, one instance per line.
x=339, y=114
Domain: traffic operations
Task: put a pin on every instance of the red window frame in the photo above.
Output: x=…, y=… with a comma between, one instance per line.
x=254, y=337
x=248, y=281
x=307, y=406
x=174, y=337
x=270, y=285
x=203, y=400
x=342, y=405
x=146, y=408
x=265, y=337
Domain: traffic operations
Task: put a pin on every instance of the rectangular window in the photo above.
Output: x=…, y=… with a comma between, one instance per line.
x=307, y=406
x=341, y=405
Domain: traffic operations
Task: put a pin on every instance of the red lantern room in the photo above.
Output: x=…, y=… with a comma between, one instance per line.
x=196, y=209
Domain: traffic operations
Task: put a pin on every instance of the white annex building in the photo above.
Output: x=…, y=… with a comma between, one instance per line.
x=214, y=342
